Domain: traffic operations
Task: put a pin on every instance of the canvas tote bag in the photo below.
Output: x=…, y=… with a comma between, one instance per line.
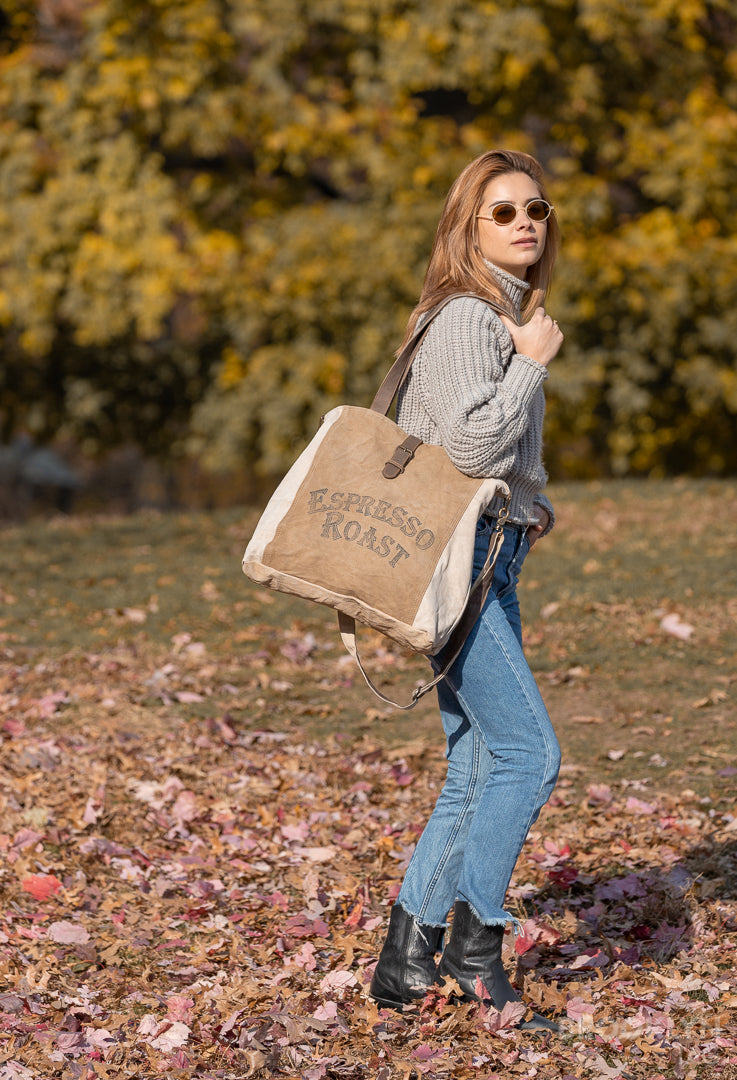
x=381, y=526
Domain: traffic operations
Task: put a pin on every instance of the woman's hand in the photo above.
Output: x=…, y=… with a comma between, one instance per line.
x=534, y=532
x=540, y=338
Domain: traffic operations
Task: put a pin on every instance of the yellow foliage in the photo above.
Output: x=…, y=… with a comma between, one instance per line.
x=233, y=369
x=238, y=200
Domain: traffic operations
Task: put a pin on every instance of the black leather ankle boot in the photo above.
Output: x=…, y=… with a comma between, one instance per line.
x=475, y=952
x=406, y=967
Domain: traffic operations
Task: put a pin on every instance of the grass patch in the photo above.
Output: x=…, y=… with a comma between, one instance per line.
x=633, y=704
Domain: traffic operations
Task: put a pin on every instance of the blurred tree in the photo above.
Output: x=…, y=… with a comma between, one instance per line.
x=215, y=214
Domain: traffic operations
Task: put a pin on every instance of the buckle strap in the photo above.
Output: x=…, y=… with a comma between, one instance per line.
x=401, y=457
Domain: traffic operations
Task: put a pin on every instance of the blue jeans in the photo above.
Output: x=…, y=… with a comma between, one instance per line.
x=503, y=758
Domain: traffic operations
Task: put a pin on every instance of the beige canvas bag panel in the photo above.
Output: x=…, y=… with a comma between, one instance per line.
x=382, y=528
x=393, y=554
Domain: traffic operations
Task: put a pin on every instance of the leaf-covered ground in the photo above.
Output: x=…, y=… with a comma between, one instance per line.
x=205, y=818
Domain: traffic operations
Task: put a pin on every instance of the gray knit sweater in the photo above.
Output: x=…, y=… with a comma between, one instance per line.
x=469, y=392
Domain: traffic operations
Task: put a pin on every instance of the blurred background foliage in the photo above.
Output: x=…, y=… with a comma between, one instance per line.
x=215, y=215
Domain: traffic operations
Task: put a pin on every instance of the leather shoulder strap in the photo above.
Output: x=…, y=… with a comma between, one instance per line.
x=399, y=370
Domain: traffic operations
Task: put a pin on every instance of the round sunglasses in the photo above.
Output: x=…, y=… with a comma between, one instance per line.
x=506, y=212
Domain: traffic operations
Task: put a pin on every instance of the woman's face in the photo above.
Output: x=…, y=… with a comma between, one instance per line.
x=517, y=246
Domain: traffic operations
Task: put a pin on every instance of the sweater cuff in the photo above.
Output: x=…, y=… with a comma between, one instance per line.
x=525, y=375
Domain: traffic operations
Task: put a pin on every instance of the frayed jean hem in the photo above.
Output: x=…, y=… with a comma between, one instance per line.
x=501, y=921
x=419, y=921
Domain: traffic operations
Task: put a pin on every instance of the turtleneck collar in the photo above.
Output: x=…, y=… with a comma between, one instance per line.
x=514, y=288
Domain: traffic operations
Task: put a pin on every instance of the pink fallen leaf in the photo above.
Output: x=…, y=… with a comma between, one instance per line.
x=48, y=705
x=13, y=1070
x=577, y=1009
x=298, y=652
x=68, y=933
x=301, y=925
x=100, y=1038
x=71, y=1043
x=402, y=776
x=328, y=1011
x=279, y=900
x=305, y=958
x=598, y=959
x=92, y=811
x=185, y=806
x=148, y=1025
x=509, y=1017
x=523, y=942
x=171, y=1037
x=179, y=1007
x=41, y=886
x=673, y=625
x=338, y=980
x=637, y=806
x=25, y=838
x=563, y=851
x=532, y=933
x=296, y=832
x=425, y=1052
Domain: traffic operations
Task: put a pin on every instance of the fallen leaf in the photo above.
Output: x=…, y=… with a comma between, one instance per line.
x=179, y=1007
x=316, y=854
x=509, y=1017
x=713, y=698
x=68, y=933
x=673, y=625
x=579, y=1010
x=338, y=980
x=41, y=886
x=172, y=1036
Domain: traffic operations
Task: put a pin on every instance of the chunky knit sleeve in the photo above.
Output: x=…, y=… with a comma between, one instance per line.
x=476, y=390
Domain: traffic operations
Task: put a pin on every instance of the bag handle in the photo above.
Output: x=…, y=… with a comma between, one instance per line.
x=399, y=370
x=474, y=606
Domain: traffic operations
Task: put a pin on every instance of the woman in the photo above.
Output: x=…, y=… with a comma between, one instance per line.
x=476, y=388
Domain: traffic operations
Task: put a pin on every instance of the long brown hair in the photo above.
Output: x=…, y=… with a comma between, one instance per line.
x=456, y=264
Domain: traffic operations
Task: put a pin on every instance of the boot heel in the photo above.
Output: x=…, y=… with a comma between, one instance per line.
x=475, y=952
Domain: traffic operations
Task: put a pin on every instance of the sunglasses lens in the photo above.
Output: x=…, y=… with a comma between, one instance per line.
x=537, y=210
x=504, y=213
